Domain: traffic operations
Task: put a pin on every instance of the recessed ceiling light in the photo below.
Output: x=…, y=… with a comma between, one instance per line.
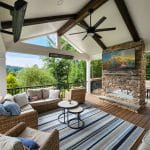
x=60, y=2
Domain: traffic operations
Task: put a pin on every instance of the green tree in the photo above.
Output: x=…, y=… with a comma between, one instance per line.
x=59, y=68
x=34, y=76
x=77, y=71
x=96, y=68
x=11, y=81
x=64, y=70
x=66, y=46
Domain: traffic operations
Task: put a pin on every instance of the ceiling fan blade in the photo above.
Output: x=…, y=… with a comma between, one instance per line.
x=105, y=29
x=99, y=42
x=83, y=25
x=84, y=37
x=77, y=33
x=99, y=22
x=98, y=35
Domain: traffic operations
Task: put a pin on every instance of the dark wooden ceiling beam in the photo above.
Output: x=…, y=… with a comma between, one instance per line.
x=127, y=19
x=93, y=4
x=34, y=21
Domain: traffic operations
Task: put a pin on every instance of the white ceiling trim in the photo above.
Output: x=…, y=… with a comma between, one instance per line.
x=40, y=50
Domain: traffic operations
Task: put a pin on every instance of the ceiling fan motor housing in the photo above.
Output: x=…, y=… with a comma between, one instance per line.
x=91, y=30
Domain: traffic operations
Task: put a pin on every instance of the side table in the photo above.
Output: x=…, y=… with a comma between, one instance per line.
x=79, y=123
x=65, y=105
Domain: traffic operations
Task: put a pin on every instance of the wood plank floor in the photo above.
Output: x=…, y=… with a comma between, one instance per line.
x=141, y=119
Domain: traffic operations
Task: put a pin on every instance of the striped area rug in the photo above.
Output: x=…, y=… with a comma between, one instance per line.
x=102, y=131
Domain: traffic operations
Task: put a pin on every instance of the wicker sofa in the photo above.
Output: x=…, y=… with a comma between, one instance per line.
x=28, y=115
x=43, y=102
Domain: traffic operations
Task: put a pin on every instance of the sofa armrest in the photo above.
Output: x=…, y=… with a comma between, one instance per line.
x=16, y=130
x=52, y=143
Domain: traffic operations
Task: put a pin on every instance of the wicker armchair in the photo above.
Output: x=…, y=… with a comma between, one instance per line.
x=46, y=141
x=30, y=117
x=77, y=94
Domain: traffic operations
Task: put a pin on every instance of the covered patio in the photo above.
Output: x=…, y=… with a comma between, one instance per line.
x=94, y=28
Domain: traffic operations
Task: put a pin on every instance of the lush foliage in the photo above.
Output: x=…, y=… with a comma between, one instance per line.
x=59, y=69
x=55, y=70
x=63, y=70
x=34, y=76
x=12, y=69
x=96, y=68
x=11, y=81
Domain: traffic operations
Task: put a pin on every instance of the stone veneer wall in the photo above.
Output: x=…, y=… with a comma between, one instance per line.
x=132, y=80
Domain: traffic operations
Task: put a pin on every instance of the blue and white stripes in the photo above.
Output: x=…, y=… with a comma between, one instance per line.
x=102, y=131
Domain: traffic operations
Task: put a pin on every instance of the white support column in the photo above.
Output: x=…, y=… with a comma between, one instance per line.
x=3, y=90
x=88, y=76
x=58, y=45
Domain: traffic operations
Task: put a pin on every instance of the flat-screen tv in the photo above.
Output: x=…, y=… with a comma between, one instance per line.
x=119, y=60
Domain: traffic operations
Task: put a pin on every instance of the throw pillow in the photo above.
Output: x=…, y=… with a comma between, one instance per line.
x=35, y=92
x=45, y=93
x=8, y=97
x=21, y=99
x=32, y=145
x=3, y=112
x=12, y=107
x=34, y=98
x=54, y=94
x=10, y=143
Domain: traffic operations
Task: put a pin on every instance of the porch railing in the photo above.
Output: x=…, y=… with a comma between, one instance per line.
x=63, y=87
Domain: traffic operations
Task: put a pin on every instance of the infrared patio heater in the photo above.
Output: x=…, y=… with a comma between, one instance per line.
x=64, y=56
x=17, y=12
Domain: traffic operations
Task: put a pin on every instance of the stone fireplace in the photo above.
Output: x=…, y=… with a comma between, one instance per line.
x=126, y=88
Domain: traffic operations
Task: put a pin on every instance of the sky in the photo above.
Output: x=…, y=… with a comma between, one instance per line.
x=23, y=60
x=27, y=60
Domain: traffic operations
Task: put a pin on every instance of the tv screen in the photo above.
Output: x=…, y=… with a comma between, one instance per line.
x=119, y=60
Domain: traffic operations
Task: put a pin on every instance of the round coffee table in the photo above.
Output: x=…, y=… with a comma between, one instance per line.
x=78, y=122
x=66, y=105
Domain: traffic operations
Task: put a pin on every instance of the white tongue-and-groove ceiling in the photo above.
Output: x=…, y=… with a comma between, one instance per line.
x=139, y=11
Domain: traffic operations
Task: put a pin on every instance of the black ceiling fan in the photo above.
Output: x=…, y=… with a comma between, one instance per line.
x=92, y=30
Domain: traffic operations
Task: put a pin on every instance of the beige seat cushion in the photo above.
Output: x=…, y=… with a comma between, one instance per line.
x=27, y=111
x=10, y=143
x=44, y=102
x=36, y=135
x=26, y=107
x=145, y=145
x=34, y=93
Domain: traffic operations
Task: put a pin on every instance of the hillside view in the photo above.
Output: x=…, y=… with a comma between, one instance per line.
x=54, y=71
